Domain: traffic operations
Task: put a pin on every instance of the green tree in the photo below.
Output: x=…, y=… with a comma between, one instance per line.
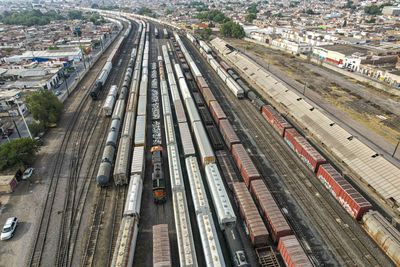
x=310, y=11
x=232, y=29
x=205, y=33
x=75, y=14
x=36, y=128
x=18, y=153
x=250, y=17
x=44, y=106
x=373, y=10
x=252, y=9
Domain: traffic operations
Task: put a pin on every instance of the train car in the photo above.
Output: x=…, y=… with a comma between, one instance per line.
x=156, y=33
x=278, y=122
x=206, y=152
x=215, y=137
x=109, y=103
x=161, y=246
x=198, y=99
x=236, y=248
x=157, y=176
x=292, y=252
x=307, y=153
x=248, y=210
x=384, y=234
x=134, y=197
x=206, y=116
x=353, y=202
x=225, y=214
x=228, y=133
x=270, y=210
x=186, y=140
x=208, y=95
x=205, y=47
x=126, y=242
x=166, y=34
x=244, y=163
x=217, y=112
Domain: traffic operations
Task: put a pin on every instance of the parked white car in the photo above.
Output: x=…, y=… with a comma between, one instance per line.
x=27, y=173
x=9, y=228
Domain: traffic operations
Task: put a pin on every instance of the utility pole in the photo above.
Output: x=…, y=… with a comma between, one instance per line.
x=23, y=118
x=16, y=128
x=395, y=149
x=304, y=89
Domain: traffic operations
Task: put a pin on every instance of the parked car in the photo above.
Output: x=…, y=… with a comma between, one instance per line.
x=9, y=228
x=27, y=173
x=57, y=93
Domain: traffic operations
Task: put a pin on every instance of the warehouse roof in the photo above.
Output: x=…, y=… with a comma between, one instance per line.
x=345, y=49
x=373, y=168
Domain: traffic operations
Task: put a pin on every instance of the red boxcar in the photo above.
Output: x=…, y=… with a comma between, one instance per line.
x=244, y=163
x=304, y=149
x=217, y=112
x=229, y=135
x=224, y=65
x=271, y=211
x=208, y=95
x=343, y=191
x=248, y=210
x=275, y=119
x=292, y=253
x=201, y=83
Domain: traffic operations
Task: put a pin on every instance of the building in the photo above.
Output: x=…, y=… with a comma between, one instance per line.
x=337, y=54
x=391, y=11
x=60, y=55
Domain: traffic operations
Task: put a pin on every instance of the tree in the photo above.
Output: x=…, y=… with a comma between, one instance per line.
x=75, y=14
x=18, y=153
x=232, y=29
x=205, y=33
x=250, y=17
x=44, y=106
x=310, y=11
x=373, y=10
x=252, y=9
x=36, y=128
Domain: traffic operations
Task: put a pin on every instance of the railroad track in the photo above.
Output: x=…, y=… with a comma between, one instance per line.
x=329, y=216
x=118, y=209
x=352, y=246
x=76, y=120
x=91, y=245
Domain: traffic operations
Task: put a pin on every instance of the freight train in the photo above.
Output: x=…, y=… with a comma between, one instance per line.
x=351, y=200
x=105, y=169
x=224, y=211
x=133, y=129
x=105, y=72
x=127, y=235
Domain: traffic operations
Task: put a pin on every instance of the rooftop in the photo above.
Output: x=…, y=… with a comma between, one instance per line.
x=346, y=49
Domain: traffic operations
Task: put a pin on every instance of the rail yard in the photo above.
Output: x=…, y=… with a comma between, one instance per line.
x=178, y=152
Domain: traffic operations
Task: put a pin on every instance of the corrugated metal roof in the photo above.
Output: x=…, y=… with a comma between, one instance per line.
x=378, y=172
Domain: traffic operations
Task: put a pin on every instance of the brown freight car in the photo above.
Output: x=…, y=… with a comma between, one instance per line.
x=208, y=95
x=227, y=132
x=244, y=163
x=277, y=222
x=248, y=210
x=292, y=252
x=217, y=112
